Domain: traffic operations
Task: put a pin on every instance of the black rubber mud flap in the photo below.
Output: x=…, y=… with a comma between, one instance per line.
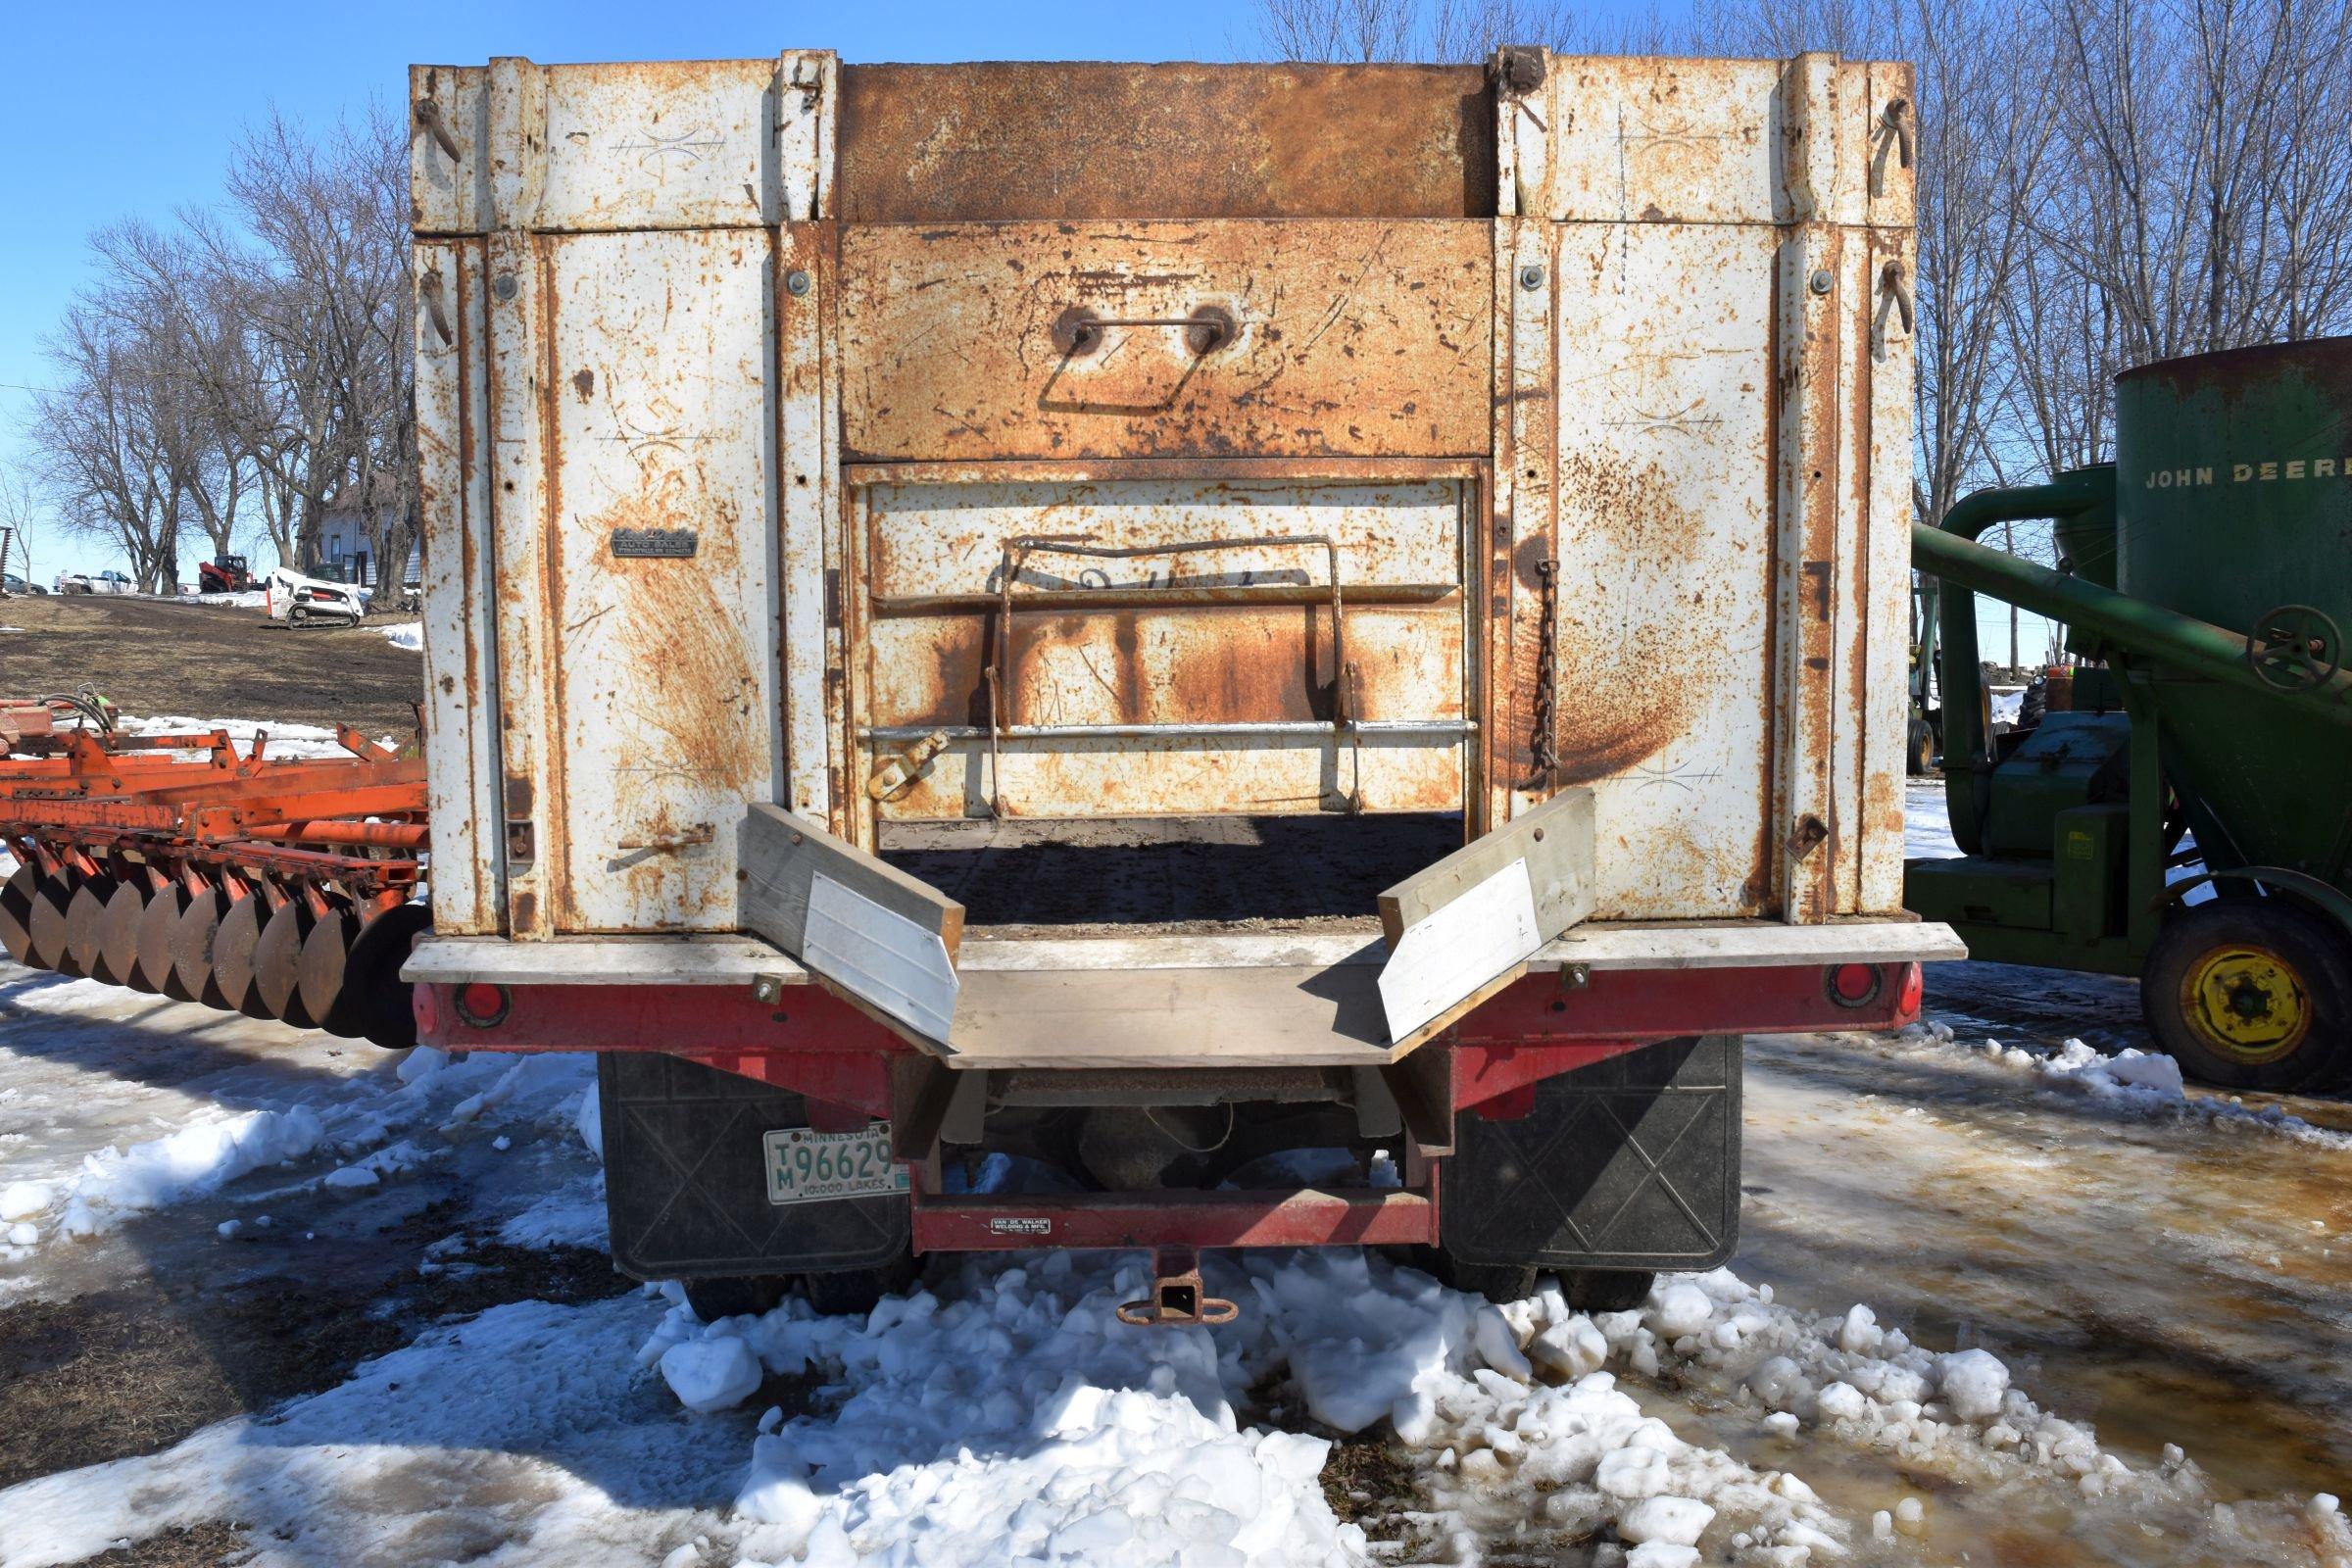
x=1629, y=1163
x=686, y=1190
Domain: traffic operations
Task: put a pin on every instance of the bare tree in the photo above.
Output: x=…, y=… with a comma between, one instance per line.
x=1447, y=31
x=18, y=509
x=2200, y=190
x=314, y=273
x=118, y=439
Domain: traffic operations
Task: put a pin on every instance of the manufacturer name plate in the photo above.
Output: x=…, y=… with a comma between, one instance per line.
x=1021, y=1226
x=658, y=543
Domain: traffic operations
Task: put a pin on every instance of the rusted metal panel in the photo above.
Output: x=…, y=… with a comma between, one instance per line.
x=947, y=538
x=1177, y=635
x=460, y=731
x=1165, y=339
x=1157, y=666
x=1665, y=548
x=1089, y=140
x=676, y=144
x=1185, y=775
x=661, y=570
x=448, y=133
x=1613, y=482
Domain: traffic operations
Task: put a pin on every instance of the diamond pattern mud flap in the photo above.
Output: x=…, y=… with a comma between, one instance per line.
x=686, y=1184
x=1631, y=1164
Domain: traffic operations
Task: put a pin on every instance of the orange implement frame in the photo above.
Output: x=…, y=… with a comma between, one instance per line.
x=280, y=887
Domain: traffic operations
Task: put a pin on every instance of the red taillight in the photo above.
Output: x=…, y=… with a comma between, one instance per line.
x=482, y=1004
x=1906, y=1000
x=1853, y=985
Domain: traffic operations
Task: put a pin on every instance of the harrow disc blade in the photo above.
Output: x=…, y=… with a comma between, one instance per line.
x=16, y=914
x=52, y=896
x=325, y=960
x=119, y=934
x=192, y=947
x=373, y=989
x=233, y=942
x=277, y=965
x=154, y=970
x=85, y=927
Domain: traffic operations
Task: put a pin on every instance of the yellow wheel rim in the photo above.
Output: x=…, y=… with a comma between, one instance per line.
x=2246, y=1003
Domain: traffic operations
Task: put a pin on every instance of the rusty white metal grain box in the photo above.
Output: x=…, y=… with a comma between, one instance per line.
x=965, y=450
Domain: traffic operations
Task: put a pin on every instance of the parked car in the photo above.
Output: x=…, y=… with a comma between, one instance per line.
x=298, y=599
x=10, y=583
x=96, y=583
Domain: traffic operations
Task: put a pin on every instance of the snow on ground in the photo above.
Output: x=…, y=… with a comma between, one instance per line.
x=285, y=740
x=408, y=634
x=251, y=598
x=81, y=1150
x=1007, y=1418
x=1927, y=828
x=2129, y=1083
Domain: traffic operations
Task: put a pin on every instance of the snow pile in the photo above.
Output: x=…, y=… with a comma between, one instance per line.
x=249, y=599
x=2131, y=1083
x=408, y=634
x=200, y=1158
x=375, y=1126
x=1007, y=1418
x=1020, y=1421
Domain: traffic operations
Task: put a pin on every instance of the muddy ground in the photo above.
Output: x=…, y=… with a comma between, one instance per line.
x=158, y=658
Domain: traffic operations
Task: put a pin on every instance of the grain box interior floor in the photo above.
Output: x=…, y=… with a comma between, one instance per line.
x=1170, y=875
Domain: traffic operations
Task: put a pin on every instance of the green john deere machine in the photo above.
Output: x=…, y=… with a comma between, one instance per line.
x=2209, y=570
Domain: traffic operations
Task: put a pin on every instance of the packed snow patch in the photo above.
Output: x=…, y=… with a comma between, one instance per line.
x=408, y=634
x=2134, y=1084
x=353, y=1133
x=201, y=1158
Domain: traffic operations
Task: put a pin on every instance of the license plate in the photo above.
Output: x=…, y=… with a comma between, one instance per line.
x=812, y=1167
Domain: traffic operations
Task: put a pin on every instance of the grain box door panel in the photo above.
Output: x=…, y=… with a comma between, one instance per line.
x=1665, y=544
x=1364, y=338
x=460, y=731
x=1159, y=662
x=661, y=544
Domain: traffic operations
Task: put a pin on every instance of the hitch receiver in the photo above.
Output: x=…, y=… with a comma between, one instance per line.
x=1178, y=1298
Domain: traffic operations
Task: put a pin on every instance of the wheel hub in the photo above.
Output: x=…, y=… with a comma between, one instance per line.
x=2247, y=1002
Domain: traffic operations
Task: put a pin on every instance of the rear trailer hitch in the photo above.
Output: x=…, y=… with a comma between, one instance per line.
x=1178, y=1298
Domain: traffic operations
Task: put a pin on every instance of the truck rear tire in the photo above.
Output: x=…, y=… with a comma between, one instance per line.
x=740, y=1296
x=858, y=1290
x=2250, y=993
x=1607, y=1290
